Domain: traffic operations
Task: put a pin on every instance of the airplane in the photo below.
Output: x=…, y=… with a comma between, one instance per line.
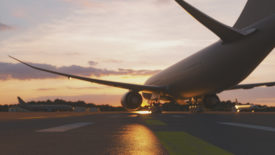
x=43, y=107
x=220, y=66
x=248, y=108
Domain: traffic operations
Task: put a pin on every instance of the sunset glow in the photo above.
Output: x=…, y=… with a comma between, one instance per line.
x=124, y=41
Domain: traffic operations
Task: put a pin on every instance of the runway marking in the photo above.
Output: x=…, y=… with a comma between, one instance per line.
x=184, y=143
x=34, y=117
x=257, y=127
x=66, y=127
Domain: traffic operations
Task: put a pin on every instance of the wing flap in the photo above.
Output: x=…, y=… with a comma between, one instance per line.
x=129, y=86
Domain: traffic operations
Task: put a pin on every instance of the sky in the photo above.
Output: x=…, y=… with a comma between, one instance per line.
x=119, y=40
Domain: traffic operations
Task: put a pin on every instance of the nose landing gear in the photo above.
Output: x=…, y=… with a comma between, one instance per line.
x=155, y=106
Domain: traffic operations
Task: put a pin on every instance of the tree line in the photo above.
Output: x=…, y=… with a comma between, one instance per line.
x=169, y=106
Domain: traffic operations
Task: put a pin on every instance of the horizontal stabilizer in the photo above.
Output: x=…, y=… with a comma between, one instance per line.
x=250, y=86
x=226, y=33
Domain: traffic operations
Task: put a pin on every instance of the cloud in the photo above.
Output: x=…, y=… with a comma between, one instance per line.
x=92, y=63
x=162, y=1
x=46, y=89
x=22, y=72
x=70, y=88
x=19, y=12
x=4, y=27
x=85, y=3
x=113, y=61
x=81, y=88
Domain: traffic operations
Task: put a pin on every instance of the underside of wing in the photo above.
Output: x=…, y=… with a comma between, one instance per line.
x=250, y=86
x=134, y=87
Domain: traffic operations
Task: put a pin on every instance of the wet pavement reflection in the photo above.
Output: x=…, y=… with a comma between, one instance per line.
x=137, y=139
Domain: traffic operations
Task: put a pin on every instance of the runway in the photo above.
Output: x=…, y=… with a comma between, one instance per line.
x=132, y=133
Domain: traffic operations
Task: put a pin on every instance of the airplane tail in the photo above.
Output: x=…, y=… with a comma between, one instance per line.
x=254, y=11
x=20, y=100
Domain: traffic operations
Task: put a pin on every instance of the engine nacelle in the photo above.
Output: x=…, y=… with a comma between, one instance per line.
x=131, y=100
x=210, y=101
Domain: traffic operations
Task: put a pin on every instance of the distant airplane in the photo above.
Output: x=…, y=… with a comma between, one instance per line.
x=248, y=108
x=218, y=67
x=20, y=100
x=43, y=107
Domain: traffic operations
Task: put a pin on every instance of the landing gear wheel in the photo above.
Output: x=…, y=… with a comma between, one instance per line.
x=156, y=108
x=196, y=106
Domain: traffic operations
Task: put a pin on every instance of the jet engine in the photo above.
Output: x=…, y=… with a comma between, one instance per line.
x=131, y=100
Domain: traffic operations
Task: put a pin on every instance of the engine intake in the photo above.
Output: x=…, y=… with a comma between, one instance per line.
x=131, y=100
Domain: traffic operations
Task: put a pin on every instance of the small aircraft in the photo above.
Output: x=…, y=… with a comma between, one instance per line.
x=218, y=67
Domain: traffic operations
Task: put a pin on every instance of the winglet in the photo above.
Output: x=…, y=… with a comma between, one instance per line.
x=226, y=33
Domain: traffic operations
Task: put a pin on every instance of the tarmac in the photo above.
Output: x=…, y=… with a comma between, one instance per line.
x=130, y=133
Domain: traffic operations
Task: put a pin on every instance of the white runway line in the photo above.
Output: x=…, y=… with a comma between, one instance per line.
x=66, y=127
x=257, y=127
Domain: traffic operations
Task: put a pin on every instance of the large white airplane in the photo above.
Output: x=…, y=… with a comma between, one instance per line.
x=218, y=67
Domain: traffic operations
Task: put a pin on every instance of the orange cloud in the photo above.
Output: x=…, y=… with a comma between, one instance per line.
x=22, y=72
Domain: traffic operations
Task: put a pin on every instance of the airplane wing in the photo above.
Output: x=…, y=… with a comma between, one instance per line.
x=129, y=86
x=249, y=86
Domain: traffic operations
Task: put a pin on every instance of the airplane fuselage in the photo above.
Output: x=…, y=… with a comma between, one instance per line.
x=220, y=65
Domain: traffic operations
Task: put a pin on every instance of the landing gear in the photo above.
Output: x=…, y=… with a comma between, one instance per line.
x=205, y=103
x=156, y=108
x=196, y=105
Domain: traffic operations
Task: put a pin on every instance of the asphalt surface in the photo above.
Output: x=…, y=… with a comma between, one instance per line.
x=131, y=133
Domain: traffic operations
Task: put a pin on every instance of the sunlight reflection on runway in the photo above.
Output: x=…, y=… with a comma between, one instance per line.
x=138, y=139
